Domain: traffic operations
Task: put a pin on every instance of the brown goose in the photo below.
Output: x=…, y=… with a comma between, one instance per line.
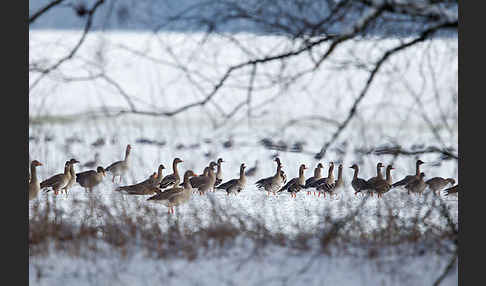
x=235, y=186
x=90, y=179
x=273, y=183
x=296, y=184
x=120, y=168
x=253, y=170
x=197, y=181
x=147, y=187
x=172, y=179
x=383, y=186
x=317, y=176
x=207, y=183
x=58, y=181
x=437, y=183
x=410, y=178
x=417, y=186
x=339, y=183
x=325, y=183
x=374, y=180
x=452, y=190
x=34, y=184
x=219, y=172
x=72, y=174
x=358, y=184
x=175, y=196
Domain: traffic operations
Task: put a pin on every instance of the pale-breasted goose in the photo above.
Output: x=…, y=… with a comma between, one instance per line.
x=58, y=181
x=383, y=186
x=417, y=186
x=235, y=186
x=452, y=190
x=146, y=187
x=410, y=178
x=120, y=168
x=34, y=184
x=72, y=176
x=172, y=179
x=296, y=184
x=317, y=176
x=325, y=183
x=175, y=196
x=378, y=178
x=339, y=183
x=273, y=183
x=90, y=179
x=437, y=183
x=207, y=183
x=219, y=173
x=358, y=184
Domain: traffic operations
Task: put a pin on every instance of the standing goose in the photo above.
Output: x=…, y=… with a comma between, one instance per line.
x=120, y=168
x=197, y=181
x=296, y=184
x=235, y=186
x=175, y=196
x=147, y=187
x=325, y=183
x=358, y=184
x=219, y=173
x=273, y=183
x=58, y=181
x=253, y=170
x=452, y=190
x=410, y=178
x=34, y=184
x=317, y=176
x=339, y=182
x=417, y=186
x=90, y=179
x=374, y=180
x=437, y=183
x=383, y=186
x=172, y=179
x=207, y=183
x=72, y=174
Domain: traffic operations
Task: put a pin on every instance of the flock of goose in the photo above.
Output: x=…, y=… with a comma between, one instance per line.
x=170, y=191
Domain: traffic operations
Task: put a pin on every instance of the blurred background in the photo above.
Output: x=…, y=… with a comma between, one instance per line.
x=348, y=81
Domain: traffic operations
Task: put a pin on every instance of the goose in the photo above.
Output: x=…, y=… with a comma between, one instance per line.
x=175, y=196
x=437, y=183
x=374, y=180
x=34, y=184
x=58, y=181
x=146, y=187
x=172, y=179
x=207, y=182
x=296, y=184
x=325, y=183
x=235, y=186
x=253, y=170
x=383, y=186
x=358, y=184
x=452, y=190
x=197, y=181
x=72, y=176
x=219, y=173
x=410, y=178
x=273, y=183
x=120, y=168
x=417, y=186
x=90, y=179
x=317, y=176
x=338, y=184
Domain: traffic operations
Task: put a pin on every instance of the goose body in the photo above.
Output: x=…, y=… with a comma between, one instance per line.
x=438, y=184
x=452, y=190
x=72, y=176
x=59, y=181
x=219, y=173
x=146, y=187
x=410, y=178
x=90, y=179
x=417, y=186
x=317, y=176
x=175, y=196
x=235, y=186
x=273, y=183
x=120, y=168
x=34, y=184
x=358, y=184
x=296, y=184
x=172, y=179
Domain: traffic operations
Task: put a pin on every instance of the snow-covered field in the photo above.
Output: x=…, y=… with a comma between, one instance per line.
x=389, y=114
